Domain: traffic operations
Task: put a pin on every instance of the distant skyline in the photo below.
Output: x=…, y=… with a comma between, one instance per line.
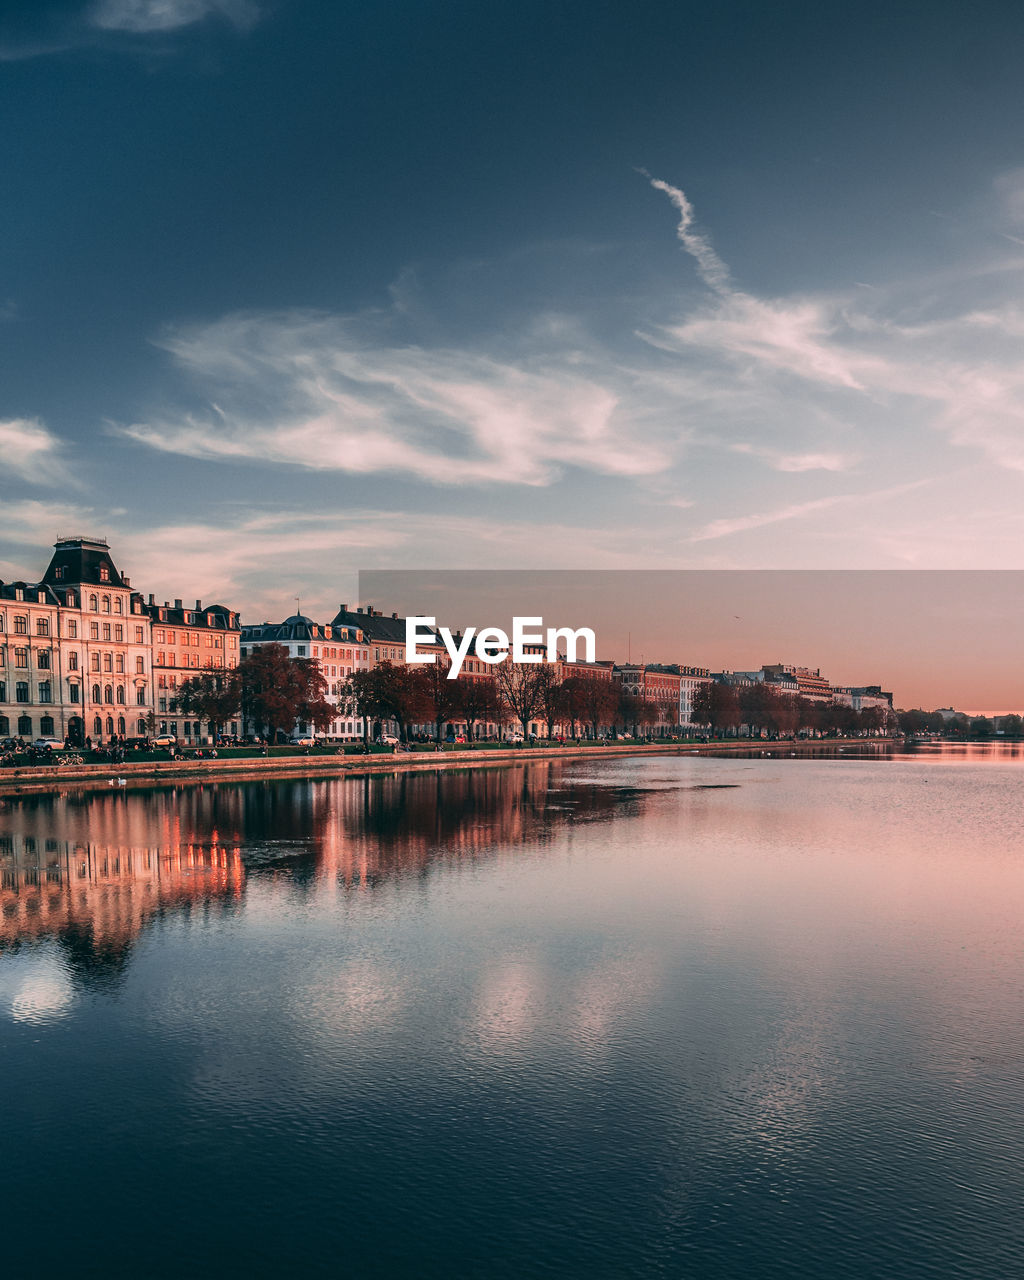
x=291, y=289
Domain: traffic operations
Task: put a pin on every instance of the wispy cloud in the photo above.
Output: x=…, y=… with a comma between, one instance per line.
x=142, y=17
x=31, y=452
x=310, y=391
x=725, y=527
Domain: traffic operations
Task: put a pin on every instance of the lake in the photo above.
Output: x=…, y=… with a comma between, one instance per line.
x=665, y=1016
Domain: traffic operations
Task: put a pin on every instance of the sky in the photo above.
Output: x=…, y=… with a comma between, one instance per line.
x=295, y=288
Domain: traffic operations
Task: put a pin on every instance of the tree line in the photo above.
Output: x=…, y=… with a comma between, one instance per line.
x=723, y=708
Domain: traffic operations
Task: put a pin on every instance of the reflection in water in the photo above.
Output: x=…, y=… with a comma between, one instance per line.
x=676, y=1017
x=94, y=870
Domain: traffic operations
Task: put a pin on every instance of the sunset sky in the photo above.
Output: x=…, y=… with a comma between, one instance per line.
x=294, y=288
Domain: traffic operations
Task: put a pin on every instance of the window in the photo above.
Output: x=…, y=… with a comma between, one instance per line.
x=158, y=635
x=302, y=650
x=110, y=726
x=72, y=629
x=140, y=665
x=3, y=623
x=21, y=691
x=96, y=693
x=97, y=725
x=120, y=694
x=119, y=663
x=94, y=630
x=95, y=661
x=3, y=697
x=108, y=662
x=106, y=632
x=44, y=691
x=25, y=726
x=94, y=604
x=140, y=695
x=108, y=693
x=73, y=660
x=117, y=604
x=120, y=725
x=140, y=727
x=20, y=626
x=119, y=633
x=73, y=692
x=104, y=573
x=43, y=659
x=209, y=642
x=42, y=626
x=5, y=727
x=139, y=635
x=106, y=604
x=21, y=657
x=70, y=601
x=58, y=573
x=170, y=637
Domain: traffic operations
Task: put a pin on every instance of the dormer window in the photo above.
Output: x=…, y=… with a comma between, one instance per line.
x=58, y=573
x=104, y=573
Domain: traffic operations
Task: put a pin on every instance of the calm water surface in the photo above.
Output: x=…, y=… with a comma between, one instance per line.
x=680, y=1017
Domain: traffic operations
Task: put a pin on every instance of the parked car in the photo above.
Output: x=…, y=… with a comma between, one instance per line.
x=49, y=744
x=389, y=739
x=302, y=740
x=165, y=740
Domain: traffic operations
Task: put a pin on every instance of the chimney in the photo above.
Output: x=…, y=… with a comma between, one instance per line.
x=199, y=606
x=343, y=609
x=359, y=608
x=395, y=616
x=177, y=604
x=126, y=580
x=151, y=599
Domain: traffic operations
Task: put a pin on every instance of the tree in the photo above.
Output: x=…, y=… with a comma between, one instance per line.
x=276, y=690
x=441, y=694
x=592, y=699
x=717, y=706
x=212, y=696
x=552, y=697
x=477, y=701
x=1012, y=726
x=392, y=691
x=519, y=688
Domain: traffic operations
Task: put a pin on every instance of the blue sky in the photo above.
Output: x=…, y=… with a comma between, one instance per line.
x=292, y=288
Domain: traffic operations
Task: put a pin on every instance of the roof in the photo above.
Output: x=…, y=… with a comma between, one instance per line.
x=82, y=561
x=377, y=627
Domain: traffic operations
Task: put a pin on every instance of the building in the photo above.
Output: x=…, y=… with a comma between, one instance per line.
x=31, y=683
x=105, y=644
x=808, y=684
x=338, y=649
x=187, y=643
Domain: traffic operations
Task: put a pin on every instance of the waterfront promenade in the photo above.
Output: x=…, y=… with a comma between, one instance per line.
x=39, y=779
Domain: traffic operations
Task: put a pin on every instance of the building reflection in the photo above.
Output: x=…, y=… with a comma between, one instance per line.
x=93, y=870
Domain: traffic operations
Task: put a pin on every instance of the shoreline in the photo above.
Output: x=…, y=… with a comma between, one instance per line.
x=52, y=779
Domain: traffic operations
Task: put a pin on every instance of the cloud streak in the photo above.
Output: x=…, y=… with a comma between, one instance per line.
x=144, y=17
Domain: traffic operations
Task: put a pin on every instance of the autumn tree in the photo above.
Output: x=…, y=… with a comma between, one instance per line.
x=212, y=696
x=551, y=697
x=442, y=694
x=717, y=706
x=519, y=688
x=593, y=699
x=392, y=691
x=275, y=690
x=477, y=702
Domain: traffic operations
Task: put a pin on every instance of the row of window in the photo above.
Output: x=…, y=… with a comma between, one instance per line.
x=25, y=727
x=99, y=662
x=106, y=630
x=213, y=640
x=44, y=692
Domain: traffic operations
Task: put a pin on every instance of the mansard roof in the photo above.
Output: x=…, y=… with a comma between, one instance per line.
x=82, y=561
x=376, y=626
